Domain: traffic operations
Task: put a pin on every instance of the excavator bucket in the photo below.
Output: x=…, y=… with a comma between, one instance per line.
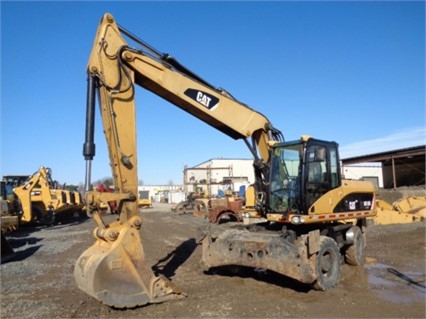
x=7, y=252
x=115, y=272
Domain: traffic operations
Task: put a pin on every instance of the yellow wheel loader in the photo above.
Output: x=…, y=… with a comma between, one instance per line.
x=312, y=217
x=144, y=200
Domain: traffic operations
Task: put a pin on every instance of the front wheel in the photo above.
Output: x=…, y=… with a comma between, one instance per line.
x=328, y=264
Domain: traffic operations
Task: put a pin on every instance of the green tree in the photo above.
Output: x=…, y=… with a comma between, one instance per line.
x=72, y=188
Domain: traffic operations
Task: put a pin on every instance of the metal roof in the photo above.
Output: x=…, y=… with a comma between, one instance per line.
x=408, y=152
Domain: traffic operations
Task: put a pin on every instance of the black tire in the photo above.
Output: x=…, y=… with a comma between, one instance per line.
x=81, y=214
x=226, y=217
x=36, y=214
x=328, y=264
x=355, y=253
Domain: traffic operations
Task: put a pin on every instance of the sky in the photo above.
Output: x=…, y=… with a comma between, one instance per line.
x=348, y=71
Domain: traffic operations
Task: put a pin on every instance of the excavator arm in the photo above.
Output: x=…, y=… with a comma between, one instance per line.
x=114, y=270
x=118, y=66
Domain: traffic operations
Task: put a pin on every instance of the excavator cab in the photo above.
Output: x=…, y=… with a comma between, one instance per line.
x=301, y=172
x=305, y=180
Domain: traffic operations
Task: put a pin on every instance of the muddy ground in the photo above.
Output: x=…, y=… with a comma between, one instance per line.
x=39, y=282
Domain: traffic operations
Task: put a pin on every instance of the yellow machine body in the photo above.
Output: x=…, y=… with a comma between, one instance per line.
x=42, y=200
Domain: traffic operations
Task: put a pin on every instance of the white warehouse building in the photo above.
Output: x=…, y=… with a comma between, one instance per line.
x=364, y=171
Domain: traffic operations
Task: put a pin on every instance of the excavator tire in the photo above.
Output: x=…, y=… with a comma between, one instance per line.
x=328, y=264
x=355, y=253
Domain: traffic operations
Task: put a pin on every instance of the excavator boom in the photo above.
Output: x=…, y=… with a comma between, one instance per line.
x=113, y=69
x=163, y=75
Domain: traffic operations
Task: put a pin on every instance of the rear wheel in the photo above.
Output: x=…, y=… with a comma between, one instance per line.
x=328, y=264
x=355, y=253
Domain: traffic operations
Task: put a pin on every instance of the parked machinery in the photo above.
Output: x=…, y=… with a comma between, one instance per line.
x=405, y=210
x=144, y=201
x=314, y=218
x=41, y=198
x=10, y=212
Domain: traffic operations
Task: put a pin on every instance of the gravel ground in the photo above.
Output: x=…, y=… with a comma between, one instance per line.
x=39, y=283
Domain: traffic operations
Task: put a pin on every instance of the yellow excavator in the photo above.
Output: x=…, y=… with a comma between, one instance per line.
x=313, y=218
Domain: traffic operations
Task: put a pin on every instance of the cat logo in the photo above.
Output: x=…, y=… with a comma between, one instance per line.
x=205, y=99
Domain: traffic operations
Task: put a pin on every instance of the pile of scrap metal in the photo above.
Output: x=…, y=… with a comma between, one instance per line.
x=221, y=209
x=194, y=203
x=225, y=209
x=216, y=209
x=405, y=210
x=229, y=207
